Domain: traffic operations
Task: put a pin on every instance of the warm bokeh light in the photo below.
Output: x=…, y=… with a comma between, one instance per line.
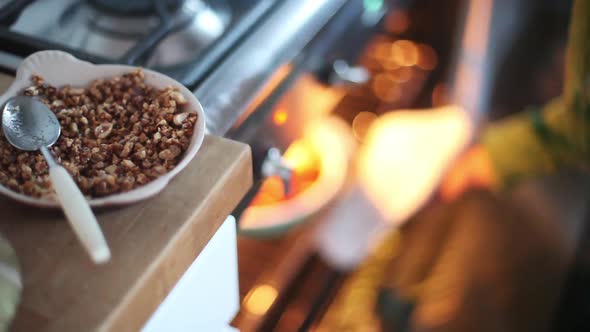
x=382, y=51
x=361, y=124
x=260, y=299
x=385, y=88
x=397, y=22
x=404, y=52
x=440, y=95
x=406, y=154
x=390, y=64
x=401, y=75
x=427, y=58
x=280, y=117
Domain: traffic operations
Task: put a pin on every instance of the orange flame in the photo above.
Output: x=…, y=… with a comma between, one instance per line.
x=280, y=117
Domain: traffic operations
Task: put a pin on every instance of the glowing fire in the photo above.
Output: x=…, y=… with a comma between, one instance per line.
x=302, y=157
x=406, y=154
x=280, y=117
x=320, y=162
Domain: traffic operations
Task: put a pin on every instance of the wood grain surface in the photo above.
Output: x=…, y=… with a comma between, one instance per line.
x=153, y=242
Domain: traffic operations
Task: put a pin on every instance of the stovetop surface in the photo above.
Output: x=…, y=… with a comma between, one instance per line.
x=182, y=40
x=87, y=27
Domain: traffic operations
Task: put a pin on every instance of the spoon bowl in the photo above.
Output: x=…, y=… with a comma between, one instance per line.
x=29, y=130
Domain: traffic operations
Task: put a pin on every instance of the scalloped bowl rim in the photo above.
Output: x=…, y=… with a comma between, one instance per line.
x=60, y=68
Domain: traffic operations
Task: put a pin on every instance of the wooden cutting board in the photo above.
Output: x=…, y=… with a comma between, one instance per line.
x=153, y=243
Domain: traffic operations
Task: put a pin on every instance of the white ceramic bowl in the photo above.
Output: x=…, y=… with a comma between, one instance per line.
x=60, y=68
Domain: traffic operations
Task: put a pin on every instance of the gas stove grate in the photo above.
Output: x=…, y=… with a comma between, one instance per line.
x=245, y=18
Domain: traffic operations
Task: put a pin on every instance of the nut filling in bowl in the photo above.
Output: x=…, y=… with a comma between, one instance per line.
x=117, y=134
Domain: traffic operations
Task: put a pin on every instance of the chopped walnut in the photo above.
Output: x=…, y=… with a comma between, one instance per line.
x=170, y=153
x=103, y=130
x=179, y=118
x=117, y=134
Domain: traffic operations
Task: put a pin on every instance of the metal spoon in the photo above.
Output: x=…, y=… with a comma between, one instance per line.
x=30, y=125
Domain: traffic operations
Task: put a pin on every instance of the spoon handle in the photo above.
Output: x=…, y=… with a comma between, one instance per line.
x=79, y=214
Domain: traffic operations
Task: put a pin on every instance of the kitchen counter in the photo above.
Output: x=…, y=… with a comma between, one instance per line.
x=153, y=243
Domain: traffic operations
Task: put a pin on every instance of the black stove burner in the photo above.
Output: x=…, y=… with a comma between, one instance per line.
x=135, y=7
